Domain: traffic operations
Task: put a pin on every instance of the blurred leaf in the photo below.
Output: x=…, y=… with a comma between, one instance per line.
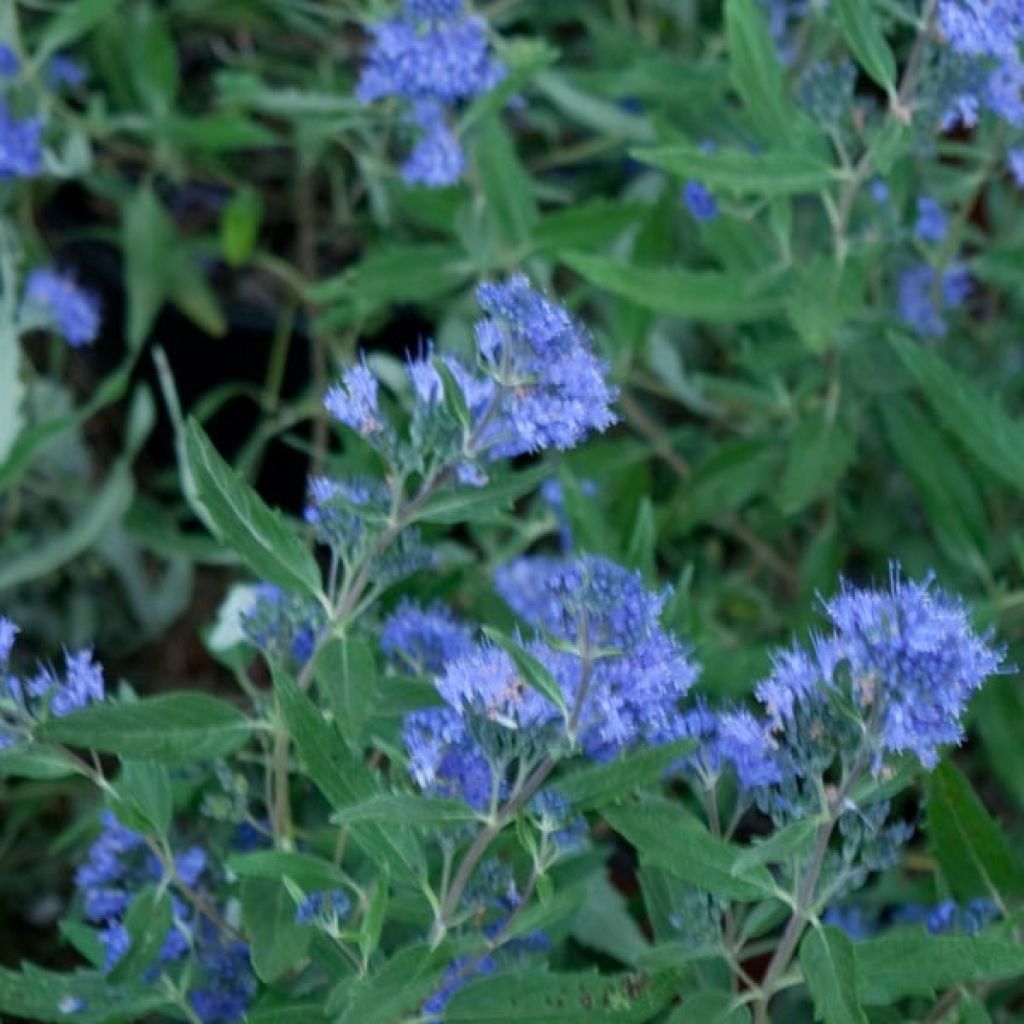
x=541, y=998
x=276, y=942
x=692, y=294
x=145, y=789
x=236, y=514
x=820, y=452
x=394, y=991
x=977, y=421
x=779, y=847
x=147, y=922
x=155, y=67
x=405, y=809
x=535, y=674
x=25, y=761
x=608, y=119
x=75, y=19
x=240, y=225
x=860, y=29
x=829, y=965
x=765, y=174
x=999, y=710
x=12, y=394
x=972, y=850
x=472, y=504
x=589, y=225
x=909, y=961
x=311, y=873
x=148, y=238
x=604, y=923
x=507, y=188
x=174, y=728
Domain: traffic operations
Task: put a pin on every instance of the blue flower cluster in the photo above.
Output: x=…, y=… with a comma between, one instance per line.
x=930, y=225
x=924, y=294
x=860, y=922
x=25, y=700
x=538, y=384
x=434, y=56
x=327, y=906
x=619, y=674
x=732, y=737
x=59, y=302
x=985, y=37
x=284, y=626
x=21, y=148
x=905, y=659
x=117, y=866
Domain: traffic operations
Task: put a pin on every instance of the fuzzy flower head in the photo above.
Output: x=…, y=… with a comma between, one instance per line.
x=444, y=759
x=436, y=159
x=21, y=151
x=905, y=657
x=552, y=388
x=930, y=225
x=732, y=737
x=72, y=311
x=338, y=509
x=284, y=626
x=422, y=640
x=355, y=401
x=924, y=295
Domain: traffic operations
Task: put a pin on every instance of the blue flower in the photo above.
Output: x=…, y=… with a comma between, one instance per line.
x=923, y=296
x=930, y=225
x=322, y=905
x=284, y=626
x=434, y=56
x=1015, y=165
x=699, y=201
x=456, y=975
x=905, y=657
x=8, y=634
x=21, y=152
x=355, y=402
x=62, y=70
x=423, y=640
x=74, y=312
x=10, y=62
x=443, y=757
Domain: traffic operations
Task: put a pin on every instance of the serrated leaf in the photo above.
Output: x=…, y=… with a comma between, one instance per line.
x=397, y=989
x=237, y=514
x=145, y=789
x=176, y=728
x=405, y=809
x=974, y=853
x=311, y=873
x=778, y=847
x=830, y=969
x=692, y=294
x=743, y=173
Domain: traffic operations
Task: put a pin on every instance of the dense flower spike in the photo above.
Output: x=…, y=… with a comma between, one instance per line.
x=21, y=152
x=354, y=401
x=731, y=737
x=434, y=56
x=905, y=657
x=71, y=310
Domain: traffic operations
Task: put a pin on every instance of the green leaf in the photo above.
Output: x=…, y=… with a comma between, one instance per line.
x=973, y=851
x=175, y=728
x=469, y=504
x=533, y=670
x=756, y=72
x=535, y=997
x=12, y=418
x=742, y=173
x=311, y=873
x=860, y=29
x=507, y=188
x=43, y=996
x=237, y=514
x=999, y=709
x=396, y=990
x=909, y=961
x=145, y=789
x=405, y=809
x=345, y=781
x=346, y=677
x=952, y=503
x=710, y=1008
x=34, y=762
x=603, y=922
x=820, y=452
x=74, y=20
x=148, y=921
x=780, y=846
x=276, y=942
x=830, y=969
x=585, y=226
x=977, y=421
x=590, y=111
x=372, y=924
x=599, y=785
x=668, y=837
x=240, y=225
x=692, y=294
x=155, y=67
x=148, y=240
x=55, y=550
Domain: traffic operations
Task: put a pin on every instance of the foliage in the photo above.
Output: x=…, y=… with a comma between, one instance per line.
x=598, y=427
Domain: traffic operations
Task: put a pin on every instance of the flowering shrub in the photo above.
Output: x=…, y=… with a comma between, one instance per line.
x=635, y=640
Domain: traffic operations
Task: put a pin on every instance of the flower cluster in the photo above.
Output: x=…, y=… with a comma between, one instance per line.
x=905, y=659
x=984, y=38
x=327, y=906
x=21, y=150
x=283, y=625
x=537, y=385
x=117, y=866
x=55, y=300
x=924, y=294
x=434, y=56
x=45, y=691
x=619, y=677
